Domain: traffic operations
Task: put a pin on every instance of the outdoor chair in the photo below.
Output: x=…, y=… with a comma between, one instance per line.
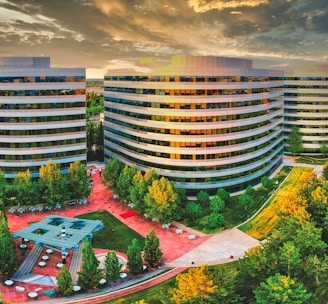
x=20, y=288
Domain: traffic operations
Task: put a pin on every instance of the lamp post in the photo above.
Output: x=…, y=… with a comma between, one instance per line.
x=23, y=246
x=64, y=255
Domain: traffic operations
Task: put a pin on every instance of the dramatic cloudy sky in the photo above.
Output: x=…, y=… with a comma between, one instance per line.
x=103, y=34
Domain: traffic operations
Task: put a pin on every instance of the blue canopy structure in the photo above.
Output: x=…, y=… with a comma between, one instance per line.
x=60, y=232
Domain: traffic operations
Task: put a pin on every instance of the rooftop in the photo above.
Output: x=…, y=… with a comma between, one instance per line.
x=59, y=232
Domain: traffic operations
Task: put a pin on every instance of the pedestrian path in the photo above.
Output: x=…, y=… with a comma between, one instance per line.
x=223, y=247
x=28, y=263
x=76, y=264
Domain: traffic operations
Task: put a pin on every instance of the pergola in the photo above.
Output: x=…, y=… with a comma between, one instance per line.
x=60, y=233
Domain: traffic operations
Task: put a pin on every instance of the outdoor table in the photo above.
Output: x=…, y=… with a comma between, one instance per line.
x=59, y=265
x=178, y=231
x=76, y=288
x=83, y=201
x=9, y=283
x=49, y=251
x=191, y=237
x=42, y=264
x=45, y=257
x=32, y=209
x=12, y=210
x=123, y=275
x=32, y=294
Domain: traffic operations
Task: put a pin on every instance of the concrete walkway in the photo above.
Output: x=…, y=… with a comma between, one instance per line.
x=223, y=247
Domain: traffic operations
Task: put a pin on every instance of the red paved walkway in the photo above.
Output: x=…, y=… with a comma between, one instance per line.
x=172, y=244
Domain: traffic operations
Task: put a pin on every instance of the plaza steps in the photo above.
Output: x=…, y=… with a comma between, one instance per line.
x=28, y=263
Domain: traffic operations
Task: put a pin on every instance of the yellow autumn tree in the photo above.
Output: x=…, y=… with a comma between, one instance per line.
x=194, y=286
x=161, y=200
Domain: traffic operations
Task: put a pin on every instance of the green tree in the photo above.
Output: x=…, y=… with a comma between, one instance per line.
x=280, y=289
x=78, y=181
x=308, y=239
x=224, y=195
x=224, y=279
x=325, y=171
x=65, y=283
x=203, y=198
x=25, y=189
x=324, y=149
x=3, y=186
x=212, y=221
x=90, y=274
x=95, y=141
x=216, y=204
x=91, y=135
x=152, y=252
x=245, y=201
x=100, y=142
x=294, y=141
x=112, y=266
x=8, y=261
x=111, y=173
x=194, y=210
x=161, y=201
x=290, y=257
x=134, y=257
x=124, y=181
x=267, y=183
x=317, y=268
x=250, y=191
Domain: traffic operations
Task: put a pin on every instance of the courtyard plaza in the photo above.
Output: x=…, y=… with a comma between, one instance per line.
x=182, y=247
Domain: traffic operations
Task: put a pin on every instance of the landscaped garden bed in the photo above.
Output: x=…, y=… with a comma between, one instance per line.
x=267, y=219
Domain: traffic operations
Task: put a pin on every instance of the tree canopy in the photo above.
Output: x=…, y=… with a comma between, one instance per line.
x=195, y=286
x=294, y=141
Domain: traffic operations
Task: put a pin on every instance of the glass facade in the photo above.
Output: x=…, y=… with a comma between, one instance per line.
x=306, y=106
x=203, y=122
x=42, y=115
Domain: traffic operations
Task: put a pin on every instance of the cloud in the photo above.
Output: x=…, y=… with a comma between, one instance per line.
x=201, y=6
x=93, y=33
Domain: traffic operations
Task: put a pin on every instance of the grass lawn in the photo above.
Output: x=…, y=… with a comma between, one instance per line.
x=266, y=220
x=152, y=295
x=115, y=235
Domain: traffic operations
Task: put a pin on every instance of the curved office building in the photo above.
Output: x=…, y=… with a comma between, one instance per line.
x=203, y=122
x=42, y=115
x=306, y=106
